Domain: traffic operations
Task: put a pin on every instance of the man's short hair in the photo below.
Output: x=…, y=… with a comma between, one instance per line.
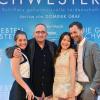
x=42, y=25
x=78, y=24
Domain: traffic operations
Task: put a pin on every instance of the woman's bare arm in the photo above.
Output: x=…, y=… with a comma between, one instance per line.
x=72, y=67
x=16, y=73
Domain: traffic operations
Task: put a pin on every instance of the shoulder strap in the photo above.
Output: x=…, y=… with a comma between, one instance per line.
x=25, y=56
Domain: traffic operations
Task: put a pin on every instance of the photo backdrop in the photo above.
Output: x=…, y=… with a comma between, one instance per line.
x=55, y=14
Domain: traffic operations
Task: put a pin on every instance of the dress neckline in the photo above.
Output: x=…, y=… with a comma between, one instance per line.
x=64, y=52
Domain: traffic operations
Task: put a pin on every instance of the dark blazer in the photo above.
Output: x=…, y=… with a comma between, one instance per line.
x=91, y=62
x=48, y=89
x=31, y=48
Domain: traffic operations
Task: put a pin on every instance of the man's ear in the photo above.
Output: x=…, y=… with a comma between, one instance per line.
x=82, y=31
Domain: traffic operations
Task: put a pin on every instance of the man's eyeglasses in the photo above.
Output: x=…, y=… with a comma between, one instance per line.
x=42, y=32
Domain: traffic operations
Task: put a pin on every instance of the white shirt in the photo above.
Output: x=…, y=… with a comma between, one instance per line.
x=81, y=75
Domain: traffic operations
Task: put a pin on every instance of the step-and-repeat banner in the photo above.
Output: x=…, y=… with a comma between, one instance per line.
x=56, y=14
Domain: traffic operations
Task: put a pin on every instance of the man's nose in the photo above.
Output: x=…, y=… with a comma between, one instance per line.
x=40, y=34
x=72, y=35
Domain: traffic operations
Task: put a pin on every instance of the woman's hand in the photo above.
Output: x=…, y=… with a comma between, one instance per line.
x=29, y=94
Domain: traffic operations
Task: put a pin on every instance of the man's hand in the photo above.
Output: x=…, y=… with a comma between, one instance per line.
x=93, y=91
x=17, y=53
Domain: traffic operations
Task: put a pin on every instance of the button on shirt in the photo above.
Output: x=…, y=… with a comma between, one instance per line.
x=81, y=75
x=42, y=70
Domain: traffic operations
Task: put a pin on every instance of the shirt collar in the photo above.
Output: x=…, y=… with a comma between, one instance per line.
x=82, y=42
x=45, y=45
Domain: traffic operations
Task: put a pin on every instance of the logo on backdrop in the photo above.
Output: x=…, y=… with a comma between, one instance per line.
x=50, y=2
x=8, y=33
x=92, y=33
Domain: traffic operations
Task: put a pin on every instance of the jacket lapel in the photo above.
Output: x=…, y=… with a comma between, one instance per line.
x=84, y=49
x=32, y=50
x=84, y=52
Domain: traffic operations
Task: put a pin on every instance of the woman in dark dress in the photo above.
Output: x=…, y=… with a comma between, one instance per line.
x=21, y=71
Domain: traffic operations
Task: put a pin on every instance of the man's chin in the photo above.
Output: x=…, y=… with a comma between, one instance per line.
x=41, y=41
x=76, y=40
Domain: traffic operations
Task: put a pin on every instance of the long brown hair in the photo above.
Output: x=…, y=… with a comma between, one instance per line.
x=59, y=44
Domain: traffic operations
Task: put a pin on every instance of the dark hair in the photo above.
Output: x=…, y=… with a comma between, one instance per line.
x=59, y=44
x=18, y=32
x=78, y=24
x=42, y=25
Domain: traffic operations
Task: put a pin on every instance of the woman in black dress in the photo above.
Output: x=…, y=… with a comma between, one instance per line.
x=21, y=71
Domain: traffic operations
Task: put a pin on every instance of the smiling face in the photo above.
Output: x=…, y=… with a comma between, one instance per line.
x=65, y=42
x=40, y=33
x=21, y=41
x=76, y=33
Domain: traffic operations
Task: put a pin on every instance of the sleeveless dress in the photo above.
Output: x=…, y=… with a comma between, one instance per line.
x=62, y=83
x=17, y=92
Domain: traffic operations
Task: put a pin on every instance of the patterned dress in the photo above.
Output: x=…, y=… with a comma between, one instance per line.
x=62, y=83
